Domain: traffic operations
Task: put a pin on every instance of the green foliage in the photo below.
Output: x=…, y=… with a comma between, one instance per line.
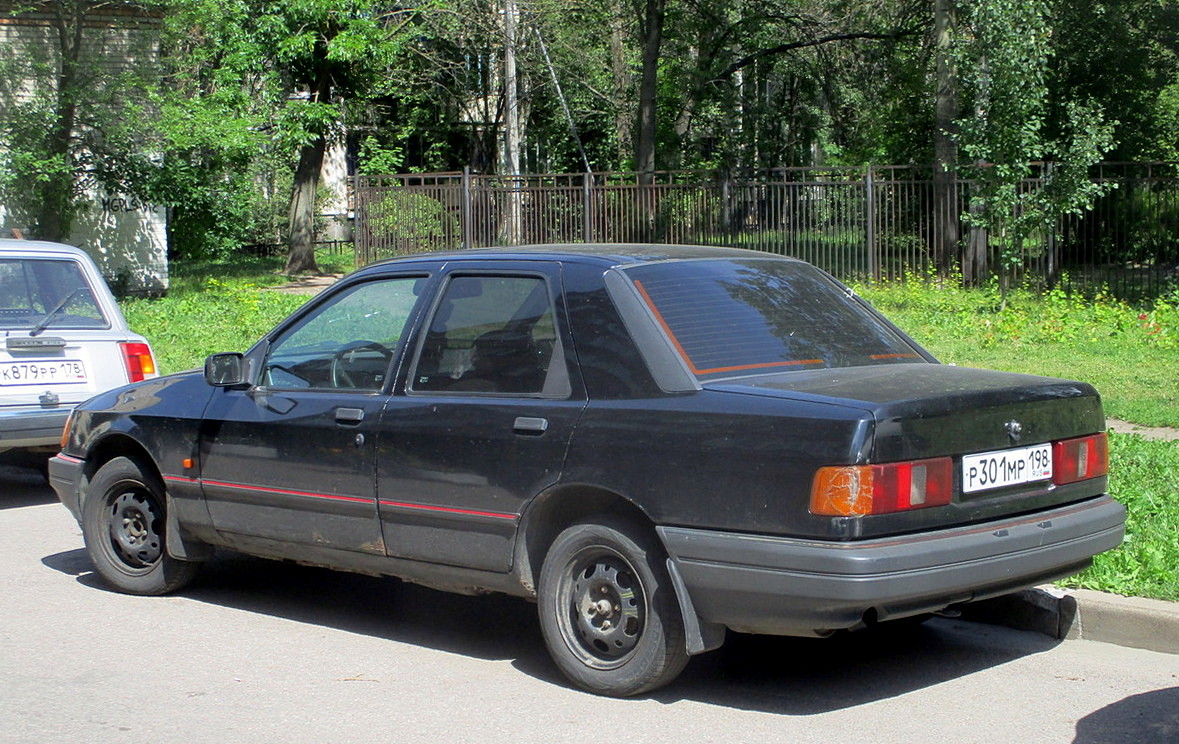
x=1129, y=353
x=211, y=307
x=1121, y=55
x=1143, y=475
x=1007, y=45
x=414, y=222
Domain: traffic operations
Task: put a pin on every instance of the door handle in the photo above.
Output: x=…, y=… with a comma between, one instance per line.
x=349, y=415
x=530, y=425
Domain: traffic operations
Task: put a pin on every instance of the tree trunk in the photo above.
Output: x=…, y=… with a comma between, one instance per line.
x=620, y=72
x=651, y=28
x=55, y=203
x=945, y=147
x=301, y=215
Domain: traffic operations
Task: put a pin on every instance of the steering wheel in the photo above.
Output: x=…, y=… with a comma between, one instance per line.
x=347, y=354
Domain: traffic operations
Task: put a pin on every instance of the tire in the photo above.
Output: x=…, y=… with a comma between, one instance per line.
x=123, y=526
x=608, y=611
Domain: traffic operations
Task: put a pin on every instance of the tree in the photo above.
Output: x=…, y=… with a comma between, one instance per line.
x=1006, y=46
x=302, y=65
x=651, y=35
x=57, y=112
x=328, y=52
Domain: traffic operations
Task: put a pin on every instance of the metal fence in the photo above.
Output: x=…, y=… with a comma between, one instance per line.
x=877, y=222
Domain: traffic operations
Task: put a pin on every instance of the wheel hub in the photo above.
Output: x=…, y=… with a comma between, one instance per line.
x=607, y=612
x=134, y=529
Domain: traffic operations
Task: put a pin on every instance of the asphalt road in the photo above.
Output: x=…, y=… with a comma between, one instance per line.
x=266, y=652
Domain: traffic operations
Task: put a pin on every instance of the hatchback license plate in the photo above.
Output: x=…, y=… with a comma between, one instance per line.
x=1006, y=468
x=48, y=372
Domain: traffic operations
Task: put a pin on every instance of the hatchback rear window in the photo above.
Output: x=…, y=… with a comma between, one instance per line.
x=50, y=293
x=731, y=318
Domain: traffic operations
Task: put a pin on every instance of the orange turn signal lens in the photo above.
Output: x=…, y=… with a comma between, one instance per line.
x=860, y=490
x=65, y=432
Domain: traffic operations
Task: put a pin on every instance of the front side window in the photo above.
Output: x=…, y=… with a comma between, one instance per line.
x=732, y=318
x=348, y=343
x=492, y=334
x=47, y=293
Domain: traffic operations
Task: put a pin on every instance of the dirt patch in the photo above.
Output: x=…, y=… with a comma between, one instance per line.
x=1147, y=432
x=308, y=285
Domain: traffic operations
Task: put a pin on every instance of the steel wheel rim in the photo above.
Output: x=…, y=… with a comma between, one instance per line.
x=134, y=522
x=602, y=608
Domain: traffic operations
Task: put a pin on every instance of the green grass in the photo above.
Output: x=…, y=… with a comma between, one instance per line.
x=1131, y=354
x=212, y=307
x=1143, y=475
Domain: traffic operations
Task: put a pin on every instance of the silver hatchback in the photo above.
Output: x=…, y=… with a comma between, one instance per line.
x=65, y=340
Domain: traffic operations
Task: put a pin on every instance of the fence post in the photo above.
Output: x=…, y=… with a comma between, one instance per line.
x=359, y=241
x=870, y=224
x=466, y=214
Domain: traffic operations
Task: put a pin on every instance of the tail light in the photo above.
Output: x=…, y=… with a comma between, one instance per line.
x=1080, y=459
x=859, y=490
x=138, y=360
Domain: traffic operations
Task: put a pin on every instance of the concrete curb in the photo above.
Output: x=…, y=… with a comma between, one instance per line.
x=1087, y=615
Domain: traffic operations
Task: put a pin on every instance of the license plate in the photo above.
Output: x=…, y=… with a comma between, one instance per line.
x=50, y=372
x=1006, y=468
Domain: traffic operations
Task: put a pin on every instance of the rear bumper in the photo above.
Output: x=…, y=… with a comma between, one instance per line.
x=25, y=427
x=785, y=586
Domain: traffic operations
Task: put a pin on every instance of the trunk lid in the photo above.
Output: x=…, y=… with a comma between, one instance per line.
x=920, y=411
x=933, y=410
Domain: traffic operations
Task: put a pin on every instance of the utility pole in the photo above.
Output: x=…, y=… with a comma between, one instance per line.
x=512, y=137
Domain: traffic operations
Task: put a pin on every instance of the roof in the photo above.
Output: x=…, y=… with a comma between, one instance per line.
x=606, y=254
x=34, y=247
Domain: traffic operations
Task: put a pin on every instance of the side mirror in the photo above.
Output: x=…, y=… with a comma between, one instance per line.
x=226, y=370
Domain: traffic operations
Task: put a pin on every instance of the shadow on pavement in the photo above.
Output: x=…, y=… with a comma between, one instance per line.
x=788, y=676
x=1149, y=717
x=21, y=486
x=71, y=562
x=491, y=627
x=808, y=676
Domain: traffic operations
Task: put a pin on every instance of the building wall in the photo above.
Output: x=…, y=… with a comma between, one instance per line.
x=128, y=240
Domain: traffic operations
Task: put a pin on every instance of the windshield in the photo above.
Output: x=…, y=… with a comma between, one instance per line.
x=729, y=318
x=46, y=293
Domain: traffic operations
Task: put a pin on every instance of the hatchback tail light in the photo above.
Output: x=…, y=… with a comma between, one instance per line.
x=1080, y=459
x=859, y=490
x=138, y=360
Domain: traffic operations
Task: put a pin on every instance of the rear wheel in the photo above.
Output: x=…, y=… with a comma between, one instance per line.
x=123, y=526
x=607, y=609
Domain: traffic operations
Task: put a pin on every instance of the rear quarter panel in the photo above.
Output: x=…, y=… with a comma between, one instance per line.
x=717, y=460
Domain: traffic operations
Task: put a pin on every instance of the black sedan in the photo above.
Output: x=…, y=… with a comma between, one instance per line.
x=657, y=443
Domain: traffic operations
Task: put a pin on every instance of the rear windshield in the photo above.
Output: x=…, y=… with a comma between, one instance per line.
x=46, y=293
x=731, y=318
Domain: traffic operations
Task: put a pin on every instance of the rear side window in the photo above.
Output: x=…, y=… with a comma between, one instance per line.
x=51, y=293
x=493, y=334
x=731, y=318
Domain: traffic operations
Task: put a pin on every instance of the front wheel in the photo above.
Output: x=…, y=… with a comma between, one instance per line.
x=607, y=609
x=123, y=527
